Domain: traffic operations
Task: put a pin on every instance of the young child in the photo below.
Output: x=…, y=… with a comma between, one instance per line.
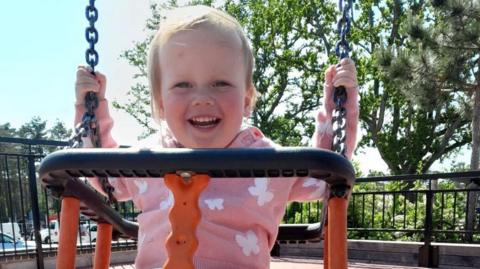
x=200, y=70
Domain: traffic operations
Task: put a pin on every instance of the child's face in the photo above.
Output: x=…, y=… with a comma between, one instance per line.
x=204, y=87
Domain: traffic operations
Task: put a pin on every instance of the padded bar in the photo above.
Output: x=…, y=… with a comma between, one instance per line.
x=307, y=232
x=59, y=171
x=217, y=163
x=98, y=210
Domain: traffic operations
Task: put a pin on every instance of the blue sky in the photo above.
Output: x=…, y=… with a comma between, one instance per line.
x=44, y=42
x=41, y=45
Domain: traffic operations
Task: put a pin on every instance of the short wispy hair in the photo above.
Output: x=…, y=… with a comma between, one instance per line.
x=187, y=18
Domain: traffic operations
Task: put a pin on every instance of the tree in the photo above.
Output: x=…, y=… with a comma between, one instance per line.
x=59, y=131
x=439, y=68
x=409, y=137
x=34, y=129
x=6, y=131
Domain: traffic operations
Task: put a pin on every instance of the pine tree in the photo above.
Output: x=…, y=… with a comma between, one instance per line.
x=440, y=68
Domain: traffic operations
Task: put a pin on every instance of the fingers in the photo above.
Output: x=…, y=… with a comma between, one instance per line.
x=330, y=74
x=323, y=131
x=88, y=82
x=346, y=74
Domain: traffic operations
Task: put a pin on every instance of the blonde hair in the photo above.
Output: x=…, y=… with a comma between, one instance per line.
x=191, y=17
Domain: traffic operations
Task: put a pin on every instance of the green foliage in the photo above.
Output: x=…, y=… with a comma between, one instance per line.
x=408, y=117
x=384, y=206
x=36, y=128
x=14, y=171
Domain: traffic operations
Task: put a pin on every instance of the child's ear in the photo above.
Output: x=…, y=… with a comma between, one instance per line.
x=249, y=100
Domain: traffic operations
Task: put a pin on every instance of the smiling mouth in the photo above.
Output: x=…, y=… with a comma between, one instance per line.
x=204, y=122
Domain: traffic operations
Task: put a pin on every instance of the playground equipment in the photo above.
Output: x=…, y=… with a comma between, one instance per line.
x=186, y=172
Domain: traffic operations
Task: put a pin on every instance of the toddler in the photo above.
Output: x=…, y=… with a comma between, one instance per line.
x=200, y=68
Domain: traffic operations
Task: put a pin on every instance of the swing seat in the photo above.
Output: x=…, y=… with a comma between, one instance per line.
x=61, y=170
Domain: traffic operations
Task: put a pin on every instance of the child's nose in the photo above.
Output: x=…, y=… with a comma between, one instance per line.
x=202, y=98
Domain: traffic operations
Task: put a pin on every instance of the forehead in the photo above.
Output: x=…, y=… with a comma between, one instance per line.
x=204, y=34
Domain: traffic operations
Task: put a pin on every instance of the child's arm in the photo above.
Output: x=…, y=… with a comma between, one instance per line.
x=87, y=82
x=343, y=75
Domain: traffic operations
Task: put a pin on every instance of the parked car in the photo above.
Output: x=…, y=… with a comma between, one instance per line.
x=91, y=230
x=8, y=243
x=12, y=229
x=52, y=233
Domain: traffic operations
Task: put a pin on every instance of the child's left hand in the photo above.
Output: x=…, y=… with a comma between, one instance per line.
x=344, y=74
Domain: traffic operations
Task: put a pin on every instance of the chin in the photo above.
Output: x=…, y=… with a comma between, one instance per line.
x=208, y=145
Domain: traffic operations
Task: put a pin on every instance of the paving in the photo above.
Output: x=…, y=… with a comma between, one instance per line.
x=303, y=263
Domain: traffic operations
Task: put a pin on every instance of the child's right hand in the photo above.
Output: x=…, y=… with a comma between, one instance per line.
x=87, y=82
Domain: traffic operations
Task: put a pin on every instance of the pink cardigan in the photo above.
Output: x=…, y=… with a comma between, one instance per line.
x=240, y=217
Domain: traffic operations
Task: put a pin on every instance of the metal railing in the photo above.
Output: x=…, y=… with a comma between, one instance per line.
x=28, y=214
x=423, y=208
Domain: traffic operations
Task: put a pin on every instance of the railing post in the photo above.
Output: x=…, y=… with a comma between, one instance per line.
x=32, y=181
x=428, y=254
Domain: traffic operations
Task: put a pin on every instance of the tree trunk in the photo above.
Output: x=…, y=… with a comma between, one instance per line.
x=475, y=159
x=474, y=163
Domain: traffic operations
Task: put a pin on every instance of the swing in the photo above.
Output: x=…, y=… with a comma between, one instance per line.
x=186, y=173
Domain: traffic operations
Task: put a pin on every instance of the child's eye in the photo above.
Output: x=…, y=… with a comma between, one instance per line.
x=183, y=84
x=220, y=83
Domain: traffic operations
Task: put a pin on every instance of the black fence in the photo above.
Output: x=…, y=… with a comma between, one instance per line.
x=423, y=208
x=443, y=207
x=28, y=214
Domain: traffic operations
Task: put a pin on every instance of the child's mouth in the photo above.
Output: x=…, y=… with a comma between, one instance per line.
x=204, y=122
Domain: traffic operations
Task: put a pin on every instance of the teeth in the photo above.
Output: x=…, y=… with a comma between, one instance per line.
x=204, y=119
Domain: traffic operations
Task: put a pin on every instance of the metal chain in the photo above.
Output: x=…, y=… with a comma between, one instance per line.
x=342, y=47
x=89, y=127
x=340, y=94
x=91, y=34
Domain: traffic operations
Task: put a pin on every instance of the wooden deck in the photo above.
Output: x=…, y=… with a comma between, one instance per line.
x=299, y=263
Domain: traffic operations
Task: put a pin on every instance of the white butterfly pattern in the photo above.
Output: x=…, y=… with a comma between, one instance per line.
x=260, y=190
x=318, y=184
x=141, y=185
x=248, y=242
x=312, y=182
x=167, y=203
x=214, y=204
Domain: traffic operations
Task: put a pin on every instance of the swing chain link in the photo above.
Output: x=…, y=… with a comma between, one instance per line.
x=88, y=127
x=340, y=94
x=339, y=121
x=342, y=47
x=91, y=34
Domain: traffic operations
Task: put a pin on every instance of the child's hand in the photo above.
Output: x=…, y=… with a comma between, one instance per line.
x=345, y=75
x=87, y=82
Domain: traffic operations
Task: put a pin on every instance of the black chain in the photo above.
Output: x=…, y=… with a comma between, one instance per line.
x=342, y=47
x=91, y=34
x=340, y=94
x=89, y=127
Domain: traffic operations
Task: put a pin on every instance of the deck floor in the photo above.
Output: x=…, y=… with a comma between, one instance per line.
x=299, y=263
